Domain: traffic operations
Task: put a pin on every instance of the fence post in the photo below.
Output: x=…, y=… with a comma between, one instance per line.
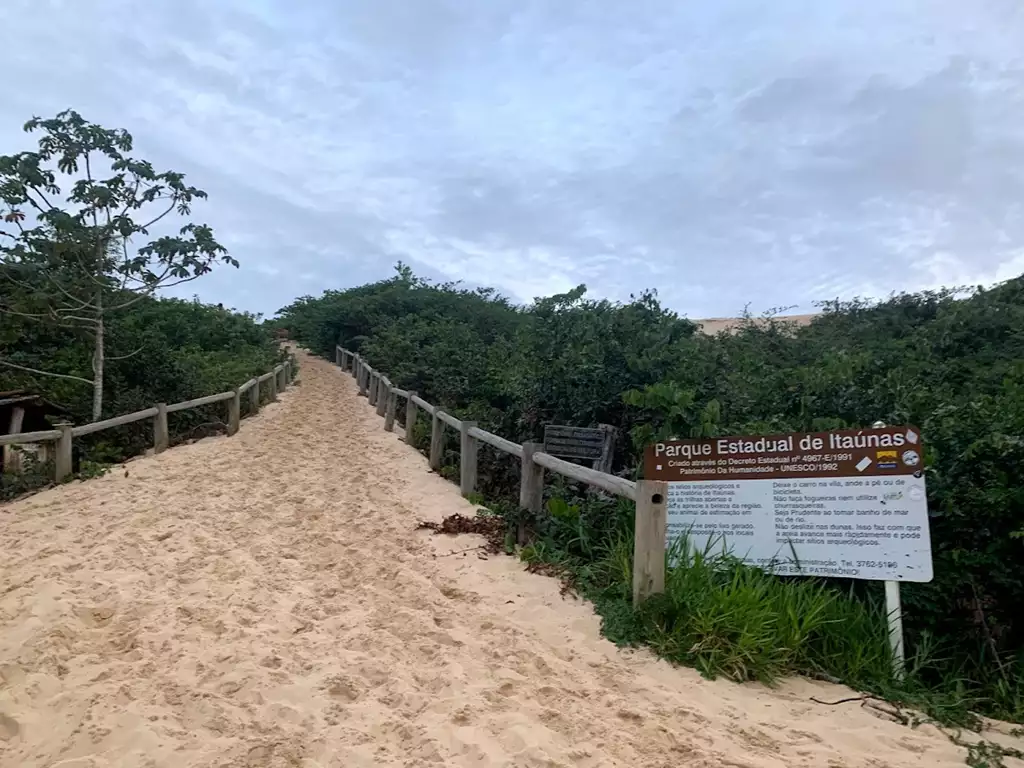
x=364, y=385
x=383, y=394
x=467, y=458
x=62, y=458
x=389, y=413
x=531, y=486
x=254, y=397
x=410, y=418
x=282, y=383
x=436, y=440
x=161, y=435
x=649, y=541
x=234, y=412
x=287, y=373
x=337, y=357
x=11, y=454
x=372, y=385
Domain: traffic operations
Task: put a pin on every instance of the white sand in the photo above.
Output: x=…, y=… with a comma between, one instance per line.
x=264, y=600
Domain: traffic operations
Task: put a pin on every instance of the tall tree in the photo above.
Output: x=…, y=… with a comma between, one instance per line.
x=71, y=258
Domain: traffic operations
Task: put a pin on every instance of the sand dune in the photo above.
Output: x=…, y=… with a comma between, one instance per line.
x=264, y=600
x=713, y=325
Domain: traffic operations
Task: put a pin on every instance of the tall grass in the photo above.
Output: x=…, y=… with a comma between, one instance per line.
x=725, y=618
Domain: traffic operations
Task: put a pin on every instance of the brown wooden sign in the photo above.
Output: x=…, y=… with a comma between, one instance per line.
x=581, y=444
x=846, y=453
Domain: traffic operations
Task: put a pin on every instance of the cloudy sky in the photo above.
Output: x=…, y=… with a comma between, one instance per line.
x=725, y=153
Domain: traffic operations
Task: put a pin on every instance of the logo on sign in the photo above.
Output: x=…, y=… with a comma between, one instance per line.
x=886, y=459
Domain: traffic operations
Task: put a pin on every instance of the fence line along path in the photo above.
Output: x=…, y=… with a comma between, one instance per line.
x=63, y=435
x=650, y=496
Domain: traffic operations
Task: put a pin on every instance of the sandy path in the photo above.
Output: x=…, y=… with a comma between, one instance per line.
x=264, y=600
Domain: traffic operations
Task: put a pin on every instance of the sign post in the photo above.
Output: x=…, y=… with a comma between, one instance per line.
x=846, y=503
x=894, y=614
x=894, y=611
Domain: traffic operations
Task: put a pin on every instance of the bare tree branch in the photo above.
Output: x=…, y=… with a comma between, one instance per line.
x=127, y=272
x=45, y=373
x=78, y=318
x=11, y=279
x=81, y=304
x=15, y=312
x=125, y=357
x=150, y=286
x=139, y=296
x=150, y=291
x=134, y=196
x=150, y=223
x=39, y=192
x=36, y=205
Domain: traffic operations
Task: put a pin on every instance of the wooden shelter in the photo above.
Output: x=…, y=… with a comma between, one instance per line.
x=25, y=411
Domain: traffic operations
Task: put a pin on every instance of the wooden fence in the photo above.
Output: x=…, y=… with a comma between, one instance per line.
x=64, y=433
x=650, y=496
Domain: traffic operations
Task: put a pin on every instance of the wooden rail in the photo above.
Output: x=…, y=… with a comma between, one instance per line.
x=44, y=436
x=64, y=434
x=611, y=483
x=497, y=442
x=422, y=404
x=650, y=496
x=450, y=420
x=208, y=400
x=117, y=421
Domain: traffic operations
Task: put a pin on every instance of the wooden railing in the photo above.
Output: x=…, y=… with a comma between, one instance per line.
x=64, y=433
x=650, y=496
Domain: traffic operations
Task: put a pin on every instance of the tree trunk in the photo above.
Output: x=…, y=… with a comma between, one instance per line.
x=97, y=366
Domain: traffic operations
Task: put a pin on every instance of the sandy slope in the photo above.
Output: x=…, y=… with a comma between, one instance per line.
x=264, y=600
x=713, y=325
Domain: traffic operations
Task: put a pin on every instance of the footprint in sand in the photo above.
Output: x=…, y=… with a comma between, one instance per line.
x=96, y=617
x=12, y=674
x=9, y=728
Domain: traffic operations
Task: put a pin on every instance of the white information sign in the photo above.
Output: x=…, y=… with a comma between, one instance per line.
x=843, y=504
x=863, y=528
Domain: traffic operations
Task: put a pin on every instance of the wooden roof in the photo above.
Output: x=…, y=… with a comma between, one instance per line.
x=15, y=396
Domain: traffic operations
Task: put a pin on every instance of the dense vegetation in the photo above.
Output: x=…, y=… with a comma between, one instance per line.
x=80, y=267
x=951, y=363
x=163, y=351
